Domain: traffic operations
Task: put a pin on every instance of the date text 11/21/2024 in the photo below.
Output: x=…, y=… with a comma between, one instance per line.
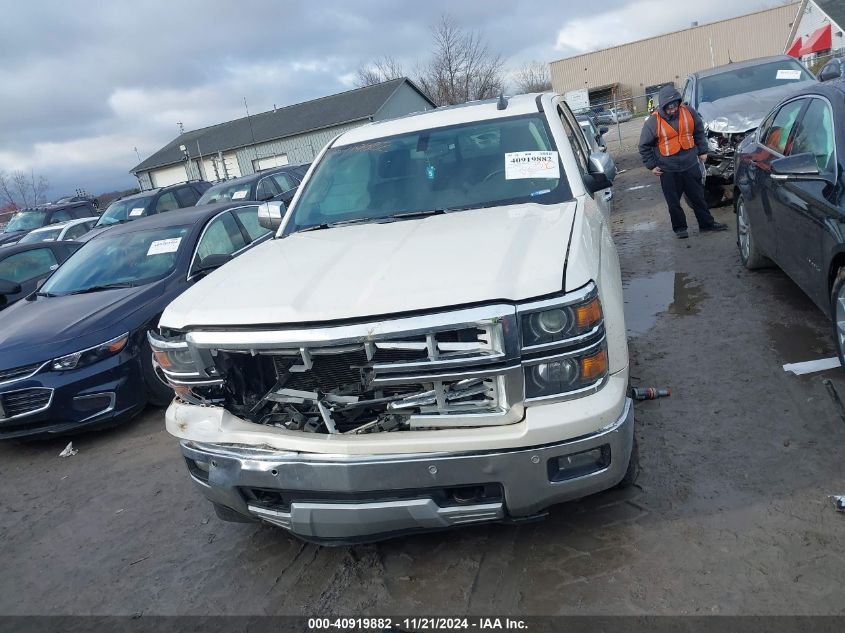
x=384, y=625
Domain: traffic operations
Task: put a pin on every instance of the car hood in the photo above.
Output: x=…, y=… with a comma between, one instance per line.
x=500, y=253
x=744, y=112
x=39, y=328
x=10, y=238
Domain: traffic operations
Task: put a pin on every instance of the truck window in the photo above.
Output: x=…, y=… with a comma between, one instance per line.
x=471, y=165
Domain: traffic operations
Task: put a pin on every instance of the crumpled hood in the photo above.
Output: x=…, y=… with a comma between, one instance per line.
x=744, y=112
x=360, y=271
x=40, y=328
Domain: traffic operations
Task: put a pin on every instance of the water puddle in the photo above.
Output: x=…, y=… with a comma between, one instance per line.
x=664, y=292
x=799, y=343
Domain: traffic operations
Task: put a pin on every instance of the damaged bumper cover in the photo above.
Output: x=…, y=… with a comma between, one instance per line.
x=338, y=499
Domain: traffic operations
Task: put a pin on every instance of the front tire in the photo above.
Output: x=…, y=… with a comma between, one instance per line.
x=749, y=252
x=837, y=304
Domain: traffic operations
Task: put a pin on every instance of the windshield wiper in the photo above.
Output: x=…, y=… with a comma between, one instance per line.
x=331, y=225
x=121, y=284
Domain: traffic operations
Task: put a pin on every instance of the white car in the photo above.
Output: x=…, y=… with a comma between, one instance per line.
x=620, y=115
x=435, y=337
x=61, y=231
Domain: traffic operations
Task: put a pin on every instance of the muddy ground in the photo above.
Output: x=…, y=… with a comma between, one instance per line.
x=732, y=515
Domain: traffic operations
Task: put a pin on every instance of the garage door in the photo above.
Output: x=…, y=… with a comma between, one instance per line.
x=270, y=161
x=169, y=175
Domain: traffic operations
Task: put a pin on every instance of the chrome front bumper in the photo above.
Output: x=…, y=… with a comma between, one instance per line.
x=338, y=499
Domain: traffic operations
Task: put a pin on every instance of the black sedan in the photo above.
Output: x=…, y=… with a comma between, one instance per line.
x=22, y=266
x=75, y=355
x=278, y=183
x=789, y=196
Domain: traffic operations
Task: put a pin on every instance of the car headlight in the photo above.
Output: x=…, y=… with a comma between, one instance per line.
x=548, y=326
x=565, y=374
x=91, y=355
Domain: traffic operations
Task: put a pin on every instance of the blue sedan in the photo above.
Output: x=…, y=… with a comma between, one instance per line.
x=74, y=355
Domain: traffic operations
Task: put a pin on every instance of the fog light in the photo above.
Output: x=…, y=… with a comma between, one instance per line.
x=579, y=464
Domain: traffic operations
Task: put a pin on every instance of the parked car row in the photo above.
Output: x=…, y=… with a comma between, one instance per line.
x=75, y=353
x=279, y=183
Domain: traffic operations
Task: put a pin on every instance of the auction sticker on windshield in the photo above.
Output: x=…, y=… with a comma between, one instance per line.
x=164, y=246
x=531, y=165
x=239, y=195
x=788, y=74
x=136, y=211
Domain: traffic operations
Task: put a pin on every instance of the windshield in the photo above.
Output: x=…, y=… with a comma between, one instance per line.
x=225, y=192
x=742, y=80
x=26, y=221
x=480, y=164
x=124, y=210
x=47, y=235
x=115, y=261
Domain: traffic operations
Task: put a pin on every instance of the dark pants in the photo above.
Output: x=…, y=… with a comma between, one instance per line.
x=677, y=183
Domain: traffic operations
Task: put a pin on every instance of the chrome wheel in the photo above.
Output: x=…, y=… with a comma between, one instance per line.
x=840, y=317
x=743, y=229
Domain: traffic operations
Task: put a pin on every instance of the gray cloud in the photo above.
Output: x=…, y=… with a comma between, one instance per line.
x=84, y=83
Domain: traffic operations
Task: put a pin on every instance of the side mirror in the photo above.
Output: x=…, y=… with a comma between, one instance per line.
x=600, y=172
x=797, y=167
x=831, y=70
x=9, y=288
x=270, y=214
x=207, y=264
x=603, y=130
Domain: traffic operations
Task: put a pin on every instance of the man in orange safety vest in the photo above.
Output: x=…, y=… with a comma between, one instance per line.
x=674, y=147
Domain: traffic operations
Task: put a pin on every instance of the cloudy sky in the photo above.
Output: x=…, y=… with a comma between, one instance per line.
x=84, y=83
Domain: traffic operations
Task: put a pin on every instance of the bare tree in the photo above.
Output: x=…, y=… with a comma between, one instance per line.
x=533, y=77
x=462, y=67
x=383, y=69
x=22, y=190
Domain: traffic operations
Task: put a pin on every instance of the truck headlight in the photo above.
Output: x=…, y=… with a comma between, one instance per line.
x=556, y=376
x=559, y=323
x=91, y=354
x=173, y=355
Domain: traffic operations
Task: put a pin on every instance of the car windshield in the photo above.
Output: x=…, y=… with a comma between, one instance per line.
x=26, y=221
x=125, y=210
x=118, y=261
x=750, y=79
x=480, y=164
x=225, y=192
x=45, y=235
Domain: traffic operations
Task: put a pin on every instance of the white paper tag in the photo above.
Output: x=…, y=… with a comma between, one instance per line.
x=238, y=195
x=531, y=165
x=164, y=246
x=788, y=74
x=136, y=211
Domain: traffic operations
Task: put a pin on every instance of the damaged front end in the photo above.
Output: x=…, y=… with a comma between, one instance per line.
x=466, y=368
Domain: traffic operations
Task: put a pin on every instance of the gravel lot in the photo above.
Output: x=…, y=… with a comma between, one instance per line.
x=731, y=516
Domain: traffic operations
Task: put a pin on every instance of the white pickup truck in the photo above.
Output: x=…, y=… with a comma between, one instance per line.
x=434, y=338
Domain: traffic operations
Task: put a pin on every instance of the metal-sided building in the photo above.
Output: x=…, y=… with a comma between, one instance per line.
x=622, y=73
x=290, y=135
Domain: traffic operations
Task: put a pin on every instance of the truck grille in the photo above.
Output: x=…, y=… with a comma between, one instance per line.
x=24, y=402
x=458, y=374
